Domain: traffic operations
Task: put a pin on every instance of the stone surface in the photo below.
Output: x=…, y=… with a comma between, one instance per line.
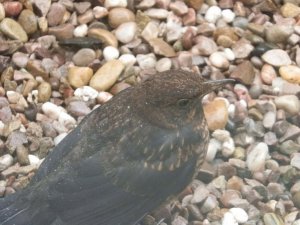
x=106, y=75
x=13, y=30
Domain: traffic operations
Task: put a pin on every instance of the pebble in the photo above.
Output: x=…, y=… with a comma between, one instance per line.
x=213, y=14
x=228, y=16
x=295, y=161
x=103, y=97
x=126, y=32
x=44, y=92
x=269, y=119
x=228, y=218
x=107, y=75
x=278, y=33
x=146, y=61
x=272, y=219
x=42, y=6
x=20, y=59
x=78, y=108
x=150, y=31
x=216, y=114
x=213, y=147
x=277, y=58
x=117, y=16
x=33, y=160
x=59, y=138
x=86, y=93
x=290, y=73
x=239, y=214
x=242, y=49
x=161, y=47
x=28, y=21
x=6, y=161
x=79, y=76
x=99, y=12
x=127, y=59
x=115, y=3
x=56, y=14
x=204, y=46
x=289, y=103
x=13, y=30
x=12, y=8
x=290, y=10
x=22, y=155
x=257, y=156
x=163, y=64
x=157, y=13
x=110, y=53
x=179, y=8
x=104, y=35
x=268, y=74
x=84, y=57
x=81, y=30
x=195, y=4
x=218, y=60
x=66, y=120
x=244, y=73
x=62, y=32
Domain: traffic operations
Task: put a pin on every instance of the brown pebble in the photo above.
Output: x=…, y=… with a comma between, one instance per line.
x=44, y=92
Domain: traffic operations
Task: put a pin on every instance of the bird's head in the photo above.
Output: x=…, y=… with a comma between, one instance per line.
x=172, y=98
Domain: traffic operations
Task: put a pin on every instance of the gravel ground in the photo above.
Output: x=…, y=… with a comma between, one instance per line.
x=60, y=59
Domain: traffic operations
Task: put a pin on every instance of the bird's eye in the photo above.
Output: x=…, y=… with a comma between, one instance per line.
x=182, y=103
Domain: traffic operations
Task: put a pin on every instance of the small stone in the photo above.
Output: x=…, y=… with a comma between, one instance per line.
x=36, y=69
x=179, y=220
x=33, y=160
x=13, y=30
x=150, y=31
x=62, y=32
x=278, y=33
x=44, y=92
x=295, y=161
x=84, y=57
x=228, y=218
x=210, y=203
x=157, y=13
x=2, y=12
x=115, y=3
x=6, y=161
x=42, y=6
x=12, y=8
x=213, y=147
x=179, y=8
x=107, y=75
x=296, y=200
x=22, y=155
x=290, y=10
x=161, y=47
x=213, y=14
x=110, y=53
x=86, y=17
x=28, y=21
x=204, y=46
x=86, y=93
x=216, y=114
x=100, y=12
x=56, y=14
x=218, y=60
x=190, y=18
x=146, y=61
x=269, y=119
x=195, y=4
x=290, y=73
x=268, y=74
x=126, y=32
x=200, y=194
x=117, y=16
x=127, y=59
x=257, y=156
x=20, y=59
x=239, y=214
x=228, y=16
x=104, y=35
x=277, y=58
x=79, y=76
x=242, y=49
x=163, y=64
x=272, y=219
x=289, y=103
x=81, y=30
x=104, y=97
x=244, y=72
x=78, y=108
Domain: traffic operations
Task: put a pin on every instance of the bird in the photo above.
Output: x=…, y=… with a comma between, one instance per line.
x=124, y=159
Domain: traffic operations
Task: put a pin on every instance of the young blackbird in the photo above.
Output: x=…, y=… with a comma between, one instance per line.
x=123, y=160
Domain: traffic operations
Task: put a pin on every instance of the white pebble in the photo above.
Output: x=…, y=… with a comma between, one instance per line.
x=218, y=60
x=163, y=64
x=115, y=3
x=86, y=93
x=229, y=219
x=66, y=120
x=99, y=12
x=257, y=157
x=295, y=162
x=228, y=53
x=81, y=30
x=1, y=128
x=104, y=96
x=59, y=138
x=34, y=160
x=213, y=14
x=6, y=161
x=110, y=53
x=128, y=59
x=231, y=110
x=239, y=214
x=213, y=147
x=52, y=110
x=146, y=61
x=125, y=33
x=228, y=16
x=228, y=147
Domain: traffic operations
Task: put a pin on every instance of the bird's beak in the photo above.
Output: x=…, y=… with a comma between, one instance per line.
x=212, y=85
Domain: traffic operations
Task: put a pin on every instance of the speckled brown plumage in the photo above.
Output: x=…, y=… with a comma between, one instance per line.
x=123, y=160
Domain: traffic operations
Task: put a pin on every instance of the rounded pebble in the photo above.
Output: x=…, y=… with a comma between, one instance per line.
x=239, y=214
x=218, y=60
x=110, y=53
x=290, y=73
x=277, y=57
x=163, y=64
x=213, y=14
x=81, y=30
x=127, y=59
x=257, y=156
x=84, y=57
x=125, y=33
x=289, y=103
x=13, y=30
x=228, y=15
x=79, y=76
